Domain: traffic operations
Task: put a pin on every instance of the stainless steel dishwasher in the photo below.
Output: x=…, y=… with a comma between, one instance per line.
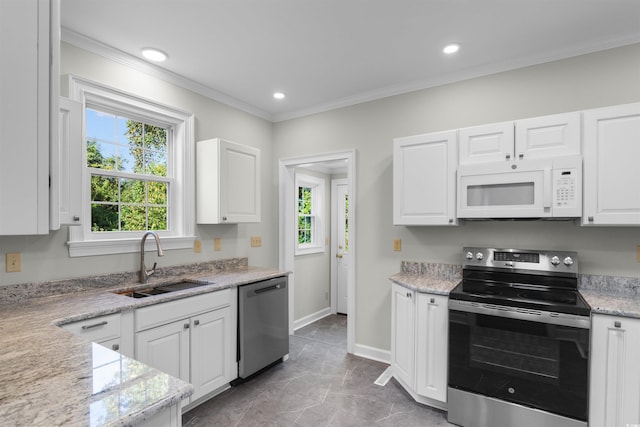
x=263, y=324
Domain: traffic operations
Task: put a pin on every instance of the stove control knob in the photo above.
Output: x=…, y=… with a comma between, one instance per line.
x=469, y=255
x=568, y=261
x=555, y=260
x=479, y=256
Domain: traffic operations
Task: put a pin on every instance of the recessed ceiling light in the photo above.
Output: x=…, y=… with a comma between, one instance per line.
x=153, y=54
x=451, y=48
x=278, y=95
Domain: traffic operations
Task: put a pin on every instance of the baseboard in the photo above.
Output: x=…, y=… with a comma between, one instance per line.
x=307, y=320
x=372, y=353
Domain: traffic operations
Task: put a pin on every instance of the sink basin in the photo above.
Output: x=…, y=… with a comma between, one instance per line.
x=162, y=289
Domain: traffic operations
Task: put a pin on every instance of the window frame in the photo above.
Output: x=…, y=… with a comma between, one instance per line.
x=317, y=214
x=181, y=203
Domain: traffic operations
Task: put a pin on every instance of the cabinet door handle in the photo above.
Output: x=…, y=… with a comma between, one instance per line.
x=186, y=326
x=408, y=294
x=590, y=219
x=433, y=300
x=76, y=218
x=617, y=324
x=507, y=156
x=521, y=156
x=196, y=322
x=224, y=218
x=115, y=347
x=95, y=325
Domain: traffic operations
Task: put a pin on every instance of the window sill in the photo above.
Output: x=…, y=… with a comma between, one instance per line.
x=309, y=250
x=123, y=246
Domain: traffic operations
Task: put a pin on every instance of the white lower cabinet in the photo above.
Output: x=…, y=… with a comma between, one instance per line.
x=114, y=331
x=432, y=342
x=403, y=338
x=615, y=372
x=192, y=339
x=419, y=340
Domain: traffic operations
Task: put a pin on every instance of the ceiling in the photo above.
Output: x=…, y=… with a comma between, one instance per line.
x=325, y=54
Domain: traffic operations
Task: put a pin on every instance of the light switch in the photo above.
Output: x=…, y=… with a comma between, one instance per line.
x=256, y=241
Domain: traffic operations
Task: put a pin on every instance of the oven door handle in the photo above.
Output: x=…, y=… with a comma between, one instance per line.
x=562, y=319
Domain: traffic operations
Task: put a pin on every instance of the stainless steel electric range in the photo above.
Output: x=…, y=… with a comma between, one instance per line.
x=518, y=340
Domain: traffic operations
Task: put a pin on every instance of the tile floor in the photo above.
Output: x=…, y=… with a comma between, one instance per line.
x=320, y=385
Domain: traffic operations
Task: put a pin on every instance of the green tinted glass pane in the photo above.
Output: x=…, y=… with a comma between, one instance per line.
x=158, y=218
x=101, y=155
x=104, y=189
x=133, y=218
x=132, y=191
x=104, y=217
x=158, y=193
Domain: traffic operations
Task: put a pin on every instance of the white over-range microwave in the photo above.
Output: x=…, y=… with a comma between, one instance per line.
x=541, y=188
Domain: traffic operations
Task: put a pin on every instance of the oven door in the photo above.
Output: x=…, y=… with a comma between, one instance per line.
x=509, y=354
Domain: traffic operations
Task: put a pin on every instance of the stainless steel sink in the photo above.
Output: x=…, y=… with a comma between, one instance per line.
x=162, y=289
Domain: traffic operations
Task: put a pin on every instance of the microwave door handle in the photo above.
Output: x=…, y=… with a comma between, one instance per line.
x=547, y=202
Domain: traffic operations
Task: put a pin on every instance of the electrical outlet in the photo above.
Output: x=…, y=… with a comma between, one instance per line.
x=217, y=244
x=14, y=262
x=197, y=246
x=638, y=253
x=397, y=245
x=256, y=241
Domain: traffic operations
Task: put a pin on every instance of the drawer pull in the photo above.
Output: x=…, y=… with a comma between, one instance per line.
x=95, y=325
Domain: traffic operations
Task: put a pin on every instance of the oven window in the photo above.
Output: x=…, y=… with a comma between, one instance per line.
x=534, y=364
x=512, y=194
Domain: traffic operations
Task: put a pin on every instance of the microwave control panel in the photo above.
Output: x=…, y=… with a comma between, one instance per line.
x=566, y=193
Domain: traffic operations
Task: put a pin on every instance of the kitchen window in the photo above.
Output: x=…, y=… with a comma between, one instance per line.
x=310, y=230
x=137, y=174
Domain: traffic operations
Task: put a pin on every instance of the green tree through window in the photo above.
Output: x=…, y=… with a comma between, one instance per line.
x=128, y=166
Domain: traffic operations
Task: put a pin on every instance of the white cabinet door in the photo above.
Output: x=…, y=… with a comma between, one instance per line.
x=25, y=116
x=424, y=179
x=212, y=355
x=548, y=136
x=615, y=372
x=486, y=143
x=403, y=334
x=228, y=182
x=611, y=172
x=432, y=332
x=166, y=348
x=66, y=166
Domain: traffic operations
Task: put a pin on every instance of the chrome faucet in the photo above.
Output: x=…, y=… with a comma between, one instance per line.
x=144, y=273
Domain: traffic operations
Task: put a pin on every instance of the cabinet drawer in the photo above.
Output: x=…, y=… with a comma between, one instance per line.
x=97, y=329
x=167, y=312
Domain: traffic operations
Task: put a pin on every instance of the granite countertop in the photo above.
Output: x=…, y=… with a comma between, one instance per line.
x=619, y=296
x=52, y=377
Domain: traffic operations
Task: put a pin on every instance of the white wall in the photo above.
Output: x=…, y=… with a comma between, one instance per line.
x=47, y=257
x=588, y=81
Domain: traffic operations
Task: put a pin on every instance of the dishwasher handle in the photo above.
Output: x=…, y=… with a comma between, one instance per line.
x=268, y=288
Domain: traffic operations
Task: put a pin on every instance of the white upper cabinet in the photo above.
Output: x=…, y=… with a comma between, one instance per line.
x=228, y=182
x=548, y=136
x=486, y=143
x=424, y=179
x=66, y=166
x=28, y=38
x=534, y=138
x=611, y=172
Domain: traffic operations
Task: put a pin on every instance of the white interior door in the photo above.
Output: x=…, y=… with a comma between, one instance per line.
x=340, y=196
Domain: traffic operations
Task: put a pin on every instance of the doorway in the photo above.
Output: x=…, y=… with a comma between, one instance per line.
x=340, y=255
x=288, y=231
